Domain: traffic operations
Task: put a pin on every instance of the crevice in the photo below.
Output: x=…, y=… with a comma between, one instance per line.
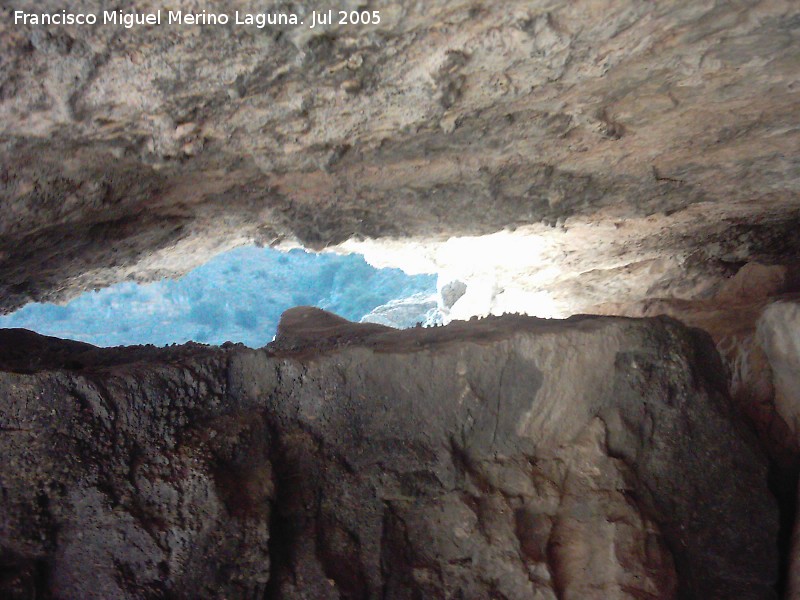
x=783, y=483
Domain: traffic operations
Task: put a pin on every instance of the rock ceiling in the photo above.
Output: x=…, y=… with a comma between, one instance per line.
x=626, y=149
x=549, y=157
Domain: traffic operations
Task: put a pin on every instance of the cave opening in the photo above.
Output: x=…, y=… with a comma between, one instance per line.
x=598, y=201
x=237, y=296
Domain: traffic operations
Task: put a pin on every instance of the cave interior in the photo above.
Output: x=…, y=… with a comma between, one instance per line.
x=599, y=396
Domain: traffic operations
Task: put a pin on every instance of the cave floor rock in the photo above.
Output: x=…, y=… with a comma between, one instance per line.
x=508, y=457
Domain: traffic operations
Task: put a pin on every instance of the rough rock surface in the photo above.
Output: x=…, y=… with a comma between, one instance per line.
x=419, y=309
x=753, y=321
x=637, y=148
x=550, y=156
x=779, y=335
x=504, y=458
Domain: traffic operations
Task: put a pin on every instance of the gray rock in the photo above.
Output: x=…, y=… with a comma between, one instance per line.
x=509, y=457
x=451, y=292
x=648, y=145
x=419, y=309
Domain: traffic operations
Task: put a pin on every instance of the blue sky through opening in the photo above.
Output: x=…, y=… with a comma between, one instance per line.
x=238, y=296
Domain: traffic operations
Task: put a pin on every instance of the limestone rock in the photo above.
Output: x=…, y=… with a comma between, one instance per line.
x=753, y=322
x=778, y=334
x=419, y=309
x=508, y=457
x=635, y=149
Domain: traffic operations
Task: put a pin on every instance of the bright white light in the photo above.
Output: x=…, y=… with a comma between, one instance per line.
x=505, y=272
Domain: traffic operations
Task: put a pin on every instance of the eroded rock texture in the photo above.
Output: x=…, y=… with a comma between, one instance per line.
x=637, y=148
x=753, y=321
x=503, y=458
x=603, y=155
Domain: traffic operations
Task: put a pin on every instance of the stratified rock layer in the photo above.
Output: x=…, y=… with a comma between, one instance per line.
x=640, y=148
x=503, y=458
